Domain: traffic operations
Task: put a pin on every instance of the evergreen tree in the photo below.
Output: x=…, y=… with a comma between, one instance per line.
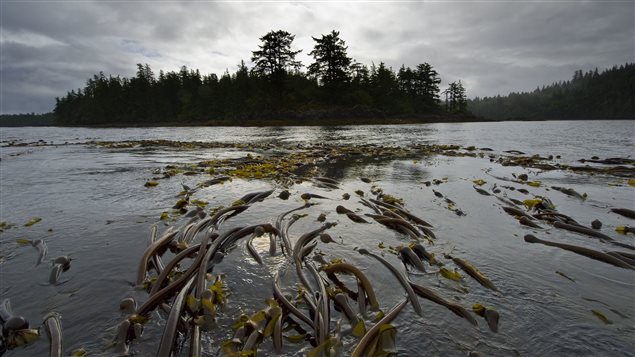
x=455, y=99
x=420, y=87
x=384, y=88
x=274, y=60
x=331, y=66
x=406, y=79
x=427, y=86
x=360, y=86
x=275, y=56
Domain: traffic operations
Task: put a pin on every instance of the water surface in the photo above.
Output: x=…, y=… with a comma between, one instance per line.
x=95, y=208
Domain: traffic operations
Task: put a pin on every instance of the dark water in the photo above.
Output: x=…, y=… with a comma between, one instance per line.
x=94, y=208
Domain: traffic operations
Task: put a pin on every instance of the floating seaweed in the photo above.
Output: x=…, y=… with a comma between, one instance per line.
x=183, y=290
x=32, y=221
x=593, y=254
x=490, y=315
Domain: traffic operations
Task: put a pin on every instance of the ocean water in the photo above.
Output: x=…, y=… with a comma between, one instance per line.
x=95, y=208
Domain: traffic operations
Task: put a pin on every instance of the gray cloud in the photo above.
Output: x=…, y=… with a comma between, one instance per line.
x=48, y=48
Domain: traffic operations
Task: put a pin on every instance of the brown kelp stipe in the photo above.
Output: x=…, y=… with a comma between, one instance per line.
x=162, y=278
x=255, y=197
x=277, y=293
x=168, y=235
x=169, y=333
x=400, y=277
x=323, y=313
x=593, y=254
x=527, y=222
x=628, y=213
x=474, y=272
x=53, y=325
x=408, y=257
x=490, y=315
x=365, y=283
x=582, y=230
x=423, y=254
x=434, y=297
x=284, y=236
x=298, y=257
x=250, y=245
x=398, y=224
x=402, y=211
x=513, y=211
x=622, y=257
x=364, y=343
x=176, y=285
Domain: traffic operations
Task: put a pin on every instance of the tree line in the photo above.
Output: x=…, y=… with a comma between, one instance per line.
x=27, y=119
x=334, y=84
x=609, y=94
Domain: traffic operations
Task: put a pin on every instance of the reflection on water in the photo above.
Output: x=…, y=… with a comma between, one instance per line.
x=95, y=209
x=553, y=137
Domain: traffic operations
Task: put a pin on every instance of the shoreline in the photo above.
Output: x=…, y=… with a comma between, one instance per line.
x=309, y=123
x=285, y=122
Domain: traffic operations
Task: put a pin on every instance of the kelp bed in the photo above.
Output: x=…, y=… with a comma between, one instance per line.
x=321, y=300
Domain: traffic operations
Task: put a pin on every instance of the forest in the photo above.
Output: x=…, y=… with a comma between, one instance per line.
x=334, y=89
x=333, y=86
x=28, y=119
x=609, y=94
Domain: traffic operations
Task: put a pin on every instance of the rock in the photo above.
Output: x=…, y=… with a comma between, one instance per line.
x=284, y=195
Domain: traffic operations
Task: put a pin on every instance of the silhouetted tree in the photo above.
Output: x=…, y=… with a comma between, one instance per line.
x=275, y=58
x=360, y=86
x=427, y=82
x=331, y=66
x=384, y=87
x=455, y=99
x=275, y=55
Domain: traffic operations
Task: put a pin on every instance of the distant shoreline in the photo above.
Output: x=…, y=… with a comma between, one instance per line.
x=306, y=122
x=299, y=122
x=317, y=118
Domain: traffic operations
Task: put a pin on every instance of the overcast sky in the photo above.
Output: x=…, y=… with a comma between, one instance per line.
x=50, y=47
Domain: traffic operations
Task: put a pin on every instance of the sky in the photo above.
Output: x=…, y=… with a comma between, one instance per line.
x=494, y=47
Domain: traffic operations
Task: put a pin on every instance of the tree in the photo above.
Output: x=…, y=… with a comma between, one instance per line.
x=455, y=99
x=427, y=85
x=275, y=55
x=331, y=66
x=360, y=75
x=406, y=79
x=384, y=87
x=273, y=61
x=420, y=87
x=359, y=93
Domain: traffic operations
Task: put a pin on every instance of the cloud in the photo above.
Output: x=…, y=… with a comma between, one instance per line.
x=28, y=39
x=135, y=47
x=48, y=48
